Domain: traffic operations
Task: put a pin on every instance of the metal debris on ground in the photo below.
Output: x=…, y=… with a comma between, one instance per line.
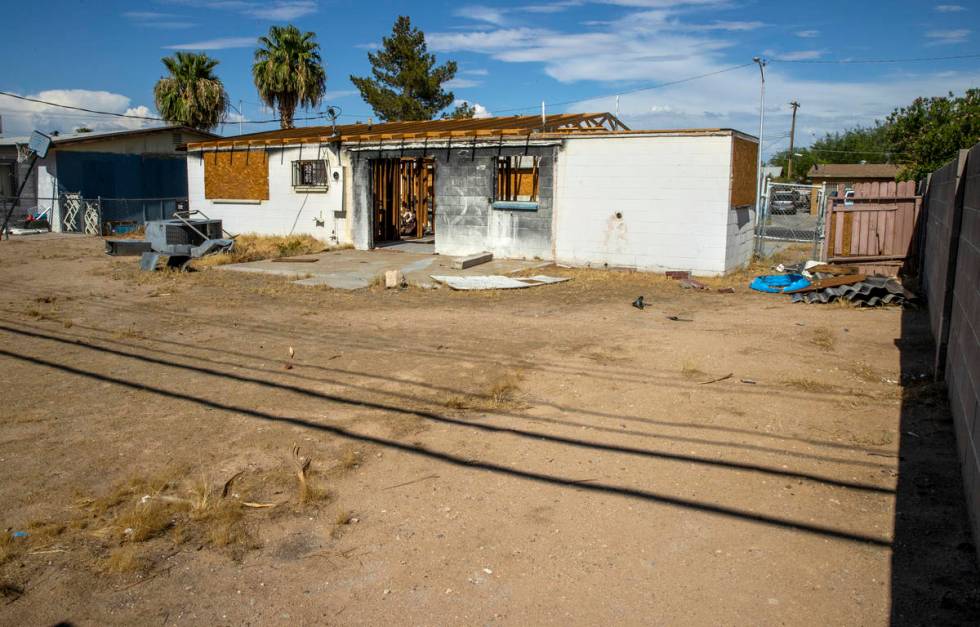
x=496, y=282
x=872, y=291
x=693, y=284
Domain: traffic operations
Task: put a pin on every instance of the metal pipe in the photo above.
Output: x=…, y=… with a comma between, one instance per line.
x=762, y=125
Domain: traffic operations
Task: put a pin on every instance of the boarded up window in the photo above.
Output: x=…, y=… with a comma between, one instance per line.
x=240, y=175
x=517, y=178
x=745, y=153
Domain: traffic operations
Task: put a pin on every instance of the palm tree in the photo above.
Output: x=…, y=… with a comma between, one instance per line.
x=288, y=71
x=191, y=95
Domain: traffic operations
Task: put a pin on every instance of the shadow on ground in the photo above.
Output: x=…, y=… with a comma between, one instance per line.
x=935, y=579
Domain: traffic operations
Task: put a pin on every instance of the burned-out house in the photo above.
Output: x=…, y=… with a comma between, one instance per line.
x=580, y=189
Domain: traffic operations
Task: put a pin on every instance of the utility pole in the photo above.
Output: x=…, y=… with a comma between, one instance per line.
x=762, y=126
x=792, y=135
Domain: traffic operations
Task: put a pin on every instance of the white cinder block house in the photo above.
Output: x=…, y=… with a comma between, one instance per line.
x=579, y=189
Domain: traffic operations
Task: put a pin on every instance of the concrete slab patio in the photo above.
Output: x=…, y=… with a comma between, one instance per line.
x=355, y=269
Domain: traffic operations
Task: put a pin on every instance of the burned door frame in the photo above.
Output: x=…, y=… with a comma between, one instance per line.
x=402, y=198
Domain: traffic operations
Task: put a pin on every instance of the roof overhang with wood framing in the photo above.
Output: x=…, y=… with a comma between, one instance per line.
x=559, y=125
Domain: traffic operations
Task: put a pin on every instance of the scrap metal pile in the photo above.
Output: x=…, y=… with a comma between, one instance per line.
x=821, y=283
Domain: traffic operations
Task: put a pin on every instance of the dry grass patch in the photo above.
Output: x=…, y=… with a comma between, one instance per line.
x=692, y=370
x=865, y=372
x=809, y=385
x=501, y=393
x=252, y=247
x=823, y=338
x=123, y=559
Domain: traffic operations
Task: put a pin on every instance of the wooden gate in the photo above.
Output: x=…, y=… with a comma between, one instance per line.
x=873, y=226
x=403, y=198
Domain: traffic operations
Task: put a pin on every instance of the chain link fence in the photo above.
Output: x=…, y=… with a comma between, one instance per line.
x=72, y=213
x=792, y=216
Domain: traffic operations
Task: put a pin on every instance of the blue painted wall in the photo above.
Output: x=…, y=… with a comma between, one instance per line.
x=114, y=176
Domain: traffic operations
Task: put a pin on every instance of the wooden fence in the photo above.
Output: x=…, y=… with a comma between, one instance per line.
x=875, y=228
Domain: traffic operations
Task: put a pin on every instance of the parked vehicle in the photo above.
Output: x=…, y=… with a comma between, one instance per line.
x=783, y=201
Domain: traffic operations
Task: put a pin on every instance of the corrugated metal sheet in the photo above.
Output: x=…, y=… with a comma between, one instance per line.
x=871, y=292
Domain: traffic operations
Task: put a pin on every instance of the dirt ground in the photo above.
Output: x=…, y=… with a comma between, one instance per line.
x=225, y=448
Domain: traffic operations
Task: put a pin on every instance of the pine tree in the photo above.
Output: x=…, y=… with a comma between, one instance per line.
x=407, y=84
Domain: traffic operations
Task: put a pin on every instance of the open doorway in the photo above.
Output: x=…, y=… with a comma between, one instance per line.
x=403, y=199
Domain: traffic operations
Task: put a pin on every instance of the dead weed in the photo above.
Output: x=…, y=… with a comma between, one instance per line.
x=809, y=385
x=823, y=338
x=501, y=393
x=252, y=247
x=692, y=370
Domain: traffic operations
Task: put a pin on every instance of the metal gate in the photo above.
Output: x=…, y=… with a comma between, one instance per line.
x=81, y=215
x=791, y=215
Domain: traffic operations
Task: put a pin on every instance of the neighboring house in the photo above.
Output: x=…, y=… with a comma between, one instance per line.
x=137, y=174
x=772, y=171
x=848, y=174
x=580, y=189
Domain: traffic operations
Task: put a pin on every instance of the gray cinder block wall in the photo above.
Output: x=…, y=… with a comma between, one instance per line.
x=951, y=281
x=465, y=220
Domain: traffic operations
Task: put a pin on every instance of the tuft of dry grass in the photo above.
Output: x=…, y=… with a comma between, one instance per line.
x=865, y=372
x=252, y=247
x=344, y=517
x=692, y=370
x=809, y=385
x=926, y=393
x=499, y=394
x=823, y=338
x=123, y=559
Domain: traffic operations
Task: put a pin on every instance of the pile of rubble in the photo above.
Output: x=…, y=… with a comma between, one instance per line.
x=816, y=282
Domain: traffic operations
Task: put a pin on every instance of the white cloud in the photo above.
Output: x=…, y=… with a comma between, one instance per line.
x=955, y=36
x=475, y=72
x=21, y=117
x=155, y=19
x=283, y=11
x=461, y=83
x=796, y=55
x=221, y=43
x=480, y=110
x=340, y=93
x=277, y=10
x=949, y=8
x=480, y=13
x=652, y=46
x=807, y=34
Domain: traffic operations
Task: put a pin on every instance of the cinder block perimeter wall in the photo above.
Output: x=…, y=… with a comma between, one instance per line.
x=953, y=204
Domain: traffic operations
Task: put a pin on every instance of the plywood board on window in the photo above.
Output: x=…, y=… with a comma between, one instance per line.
x=745, y=154
x=238, y=175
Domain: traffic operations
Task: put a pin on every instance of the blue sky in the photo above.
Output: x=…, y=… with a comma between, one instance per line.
x=513, y=55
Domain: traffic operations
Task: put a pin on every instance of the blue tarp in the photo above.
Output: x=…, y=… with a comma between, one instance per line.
x=779, y=283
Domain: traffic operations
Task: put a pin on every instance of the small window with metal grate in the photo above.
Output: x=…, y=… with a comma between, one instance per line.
x=311, y=175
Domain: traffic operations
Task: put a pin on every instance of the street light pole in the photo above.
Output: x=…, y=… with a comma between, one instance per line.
x=792, y=137
x=762, y=125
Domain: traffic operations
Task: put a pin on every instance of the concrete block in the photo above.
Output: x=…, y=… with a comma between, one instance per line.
x=472, y=260
x=393, y=279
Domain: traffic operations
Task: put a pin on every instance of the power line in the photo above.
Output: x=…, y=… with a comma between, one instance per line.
x=857, y=61
x=94, y=112
x=632, y=91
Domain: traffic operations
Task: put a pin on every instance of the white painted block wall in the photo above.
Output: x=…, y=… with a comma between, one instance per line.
x=287, y=211
x=671, y=191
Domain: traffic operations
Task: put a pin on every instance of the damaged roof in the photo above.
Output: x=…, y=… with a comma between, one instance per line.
x=557, y=125
x=854, y=171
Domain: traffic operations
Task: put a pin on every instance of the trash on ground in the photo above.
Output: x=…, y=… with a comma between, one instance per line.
x=693, y=284
x=295, y=260
x=638, y=303
x=394, y=278
x=833, y=281
x=461, y=263
x=748, y=381
x=726, y=290
x=727, y=376
x=677, y=274
x=679, y=319
x=872, y=291
x=496, y=282
x=779, y=283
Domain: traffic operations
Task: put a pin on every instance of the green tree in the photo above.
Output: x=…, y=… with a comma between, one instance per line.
x=191, y=95
x=854, y=145
x=463, y=111
x=407, y=84
x=288, y=71
x=929, y=131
